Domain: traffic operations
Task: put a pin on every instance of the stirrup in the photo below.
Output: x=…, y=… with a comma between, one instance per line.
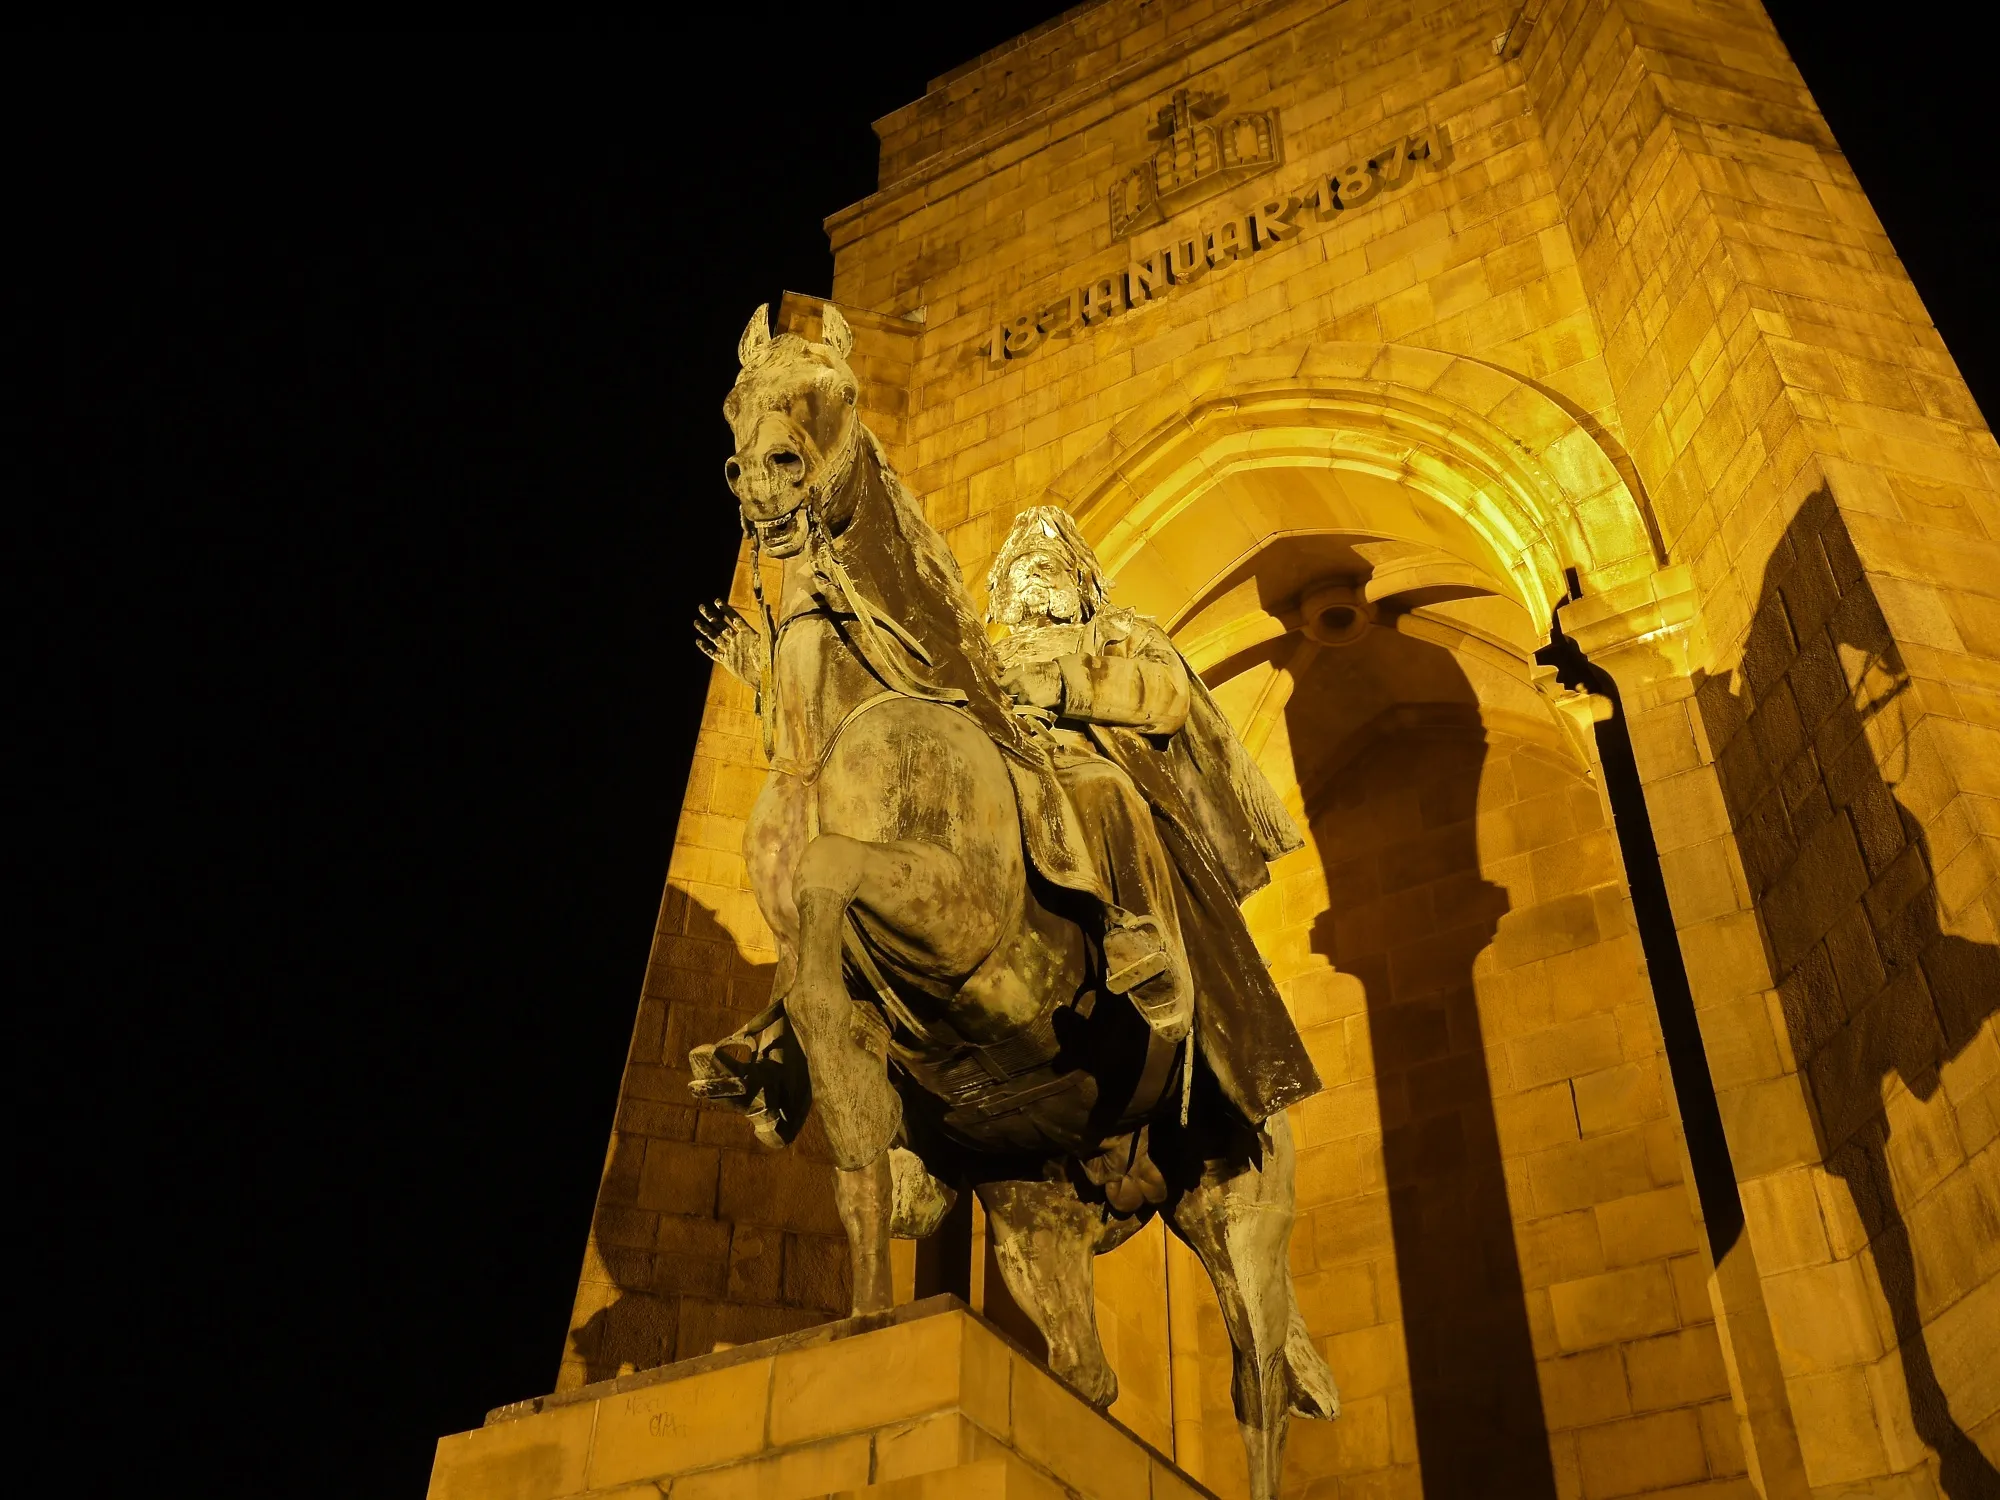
x=1146, y=966
x=1141, y=966
x=1135, y=950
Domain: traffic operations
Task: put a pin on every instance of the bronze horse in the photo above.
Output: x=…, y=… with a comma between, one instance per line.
x=939, y=991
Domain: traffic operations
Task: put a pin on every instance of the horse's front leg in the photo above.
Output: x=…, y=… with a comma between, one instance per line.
x=913, y=889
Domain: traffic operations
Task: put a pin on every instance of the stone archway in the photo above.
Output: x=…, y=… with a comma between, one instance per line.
x=1361, y=548
x=1518, y=470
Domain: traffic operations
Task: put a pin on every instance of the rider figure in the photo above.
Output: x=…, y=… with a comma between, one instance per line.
x=1046, y=595
x=1181, y=822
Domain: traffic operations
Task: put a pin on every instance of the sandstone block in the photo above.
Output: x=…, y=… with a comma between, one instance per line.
x=1617, y=1098
x=1345, y=1447
x=1838, y=1435
x=1172, y=1484
x=866, y=1381
x=1617, y=1305
x=1677, y=1369
x=1693, y=1298
x=1823, y=1316
x=1647, y=1226
x=1641, y=1453
x=1582, y=1389
x=781, y=1188
x=1338, y=1300
x=1722, y=1438
x=1063, y=1435
x=515, y=1460
x=824, y=1468
x=1767, y=1126
x=1785, y=1221
x=1370, y=1361
x=1536, y=1120
x=677, y=1178
x=706, y=1323
x=1961, y=1342
x=1566, y=1051
x=682, y=1425
x=1585, y=1173
x=993, y=1479
x=1563, y=1247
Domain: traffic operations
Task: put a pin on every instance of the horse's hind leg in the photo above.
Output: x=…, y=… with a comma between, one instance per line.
x=1241, y=1227
x=911, y=887
x=1045, y=1239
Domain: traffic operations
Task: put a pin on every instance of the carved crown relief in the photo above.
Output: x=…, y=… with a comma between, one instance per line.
x=1201, y=152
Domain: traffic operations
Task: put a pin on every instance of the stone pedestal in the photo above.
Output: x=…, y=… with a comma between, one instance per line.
x=925, y=1401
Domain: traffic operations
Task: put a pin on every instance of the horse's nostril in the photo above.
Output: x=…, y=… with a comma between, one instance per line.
x=784, y=458
x=732, y=471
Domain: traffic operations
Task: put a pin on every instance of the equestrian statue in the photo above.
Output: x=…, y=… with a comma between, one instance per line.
x=1005, y=883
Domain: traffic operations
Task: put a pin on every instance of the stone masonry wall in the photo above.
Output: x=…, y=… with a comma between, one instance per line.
x=1640, y=212
x=1496, y=1240
x=1039, y=73
x=1471, y=258
x=1824, y=791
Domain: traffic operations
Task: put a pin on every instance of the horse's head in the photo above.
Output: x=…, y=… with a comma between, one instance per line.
x=797, y=434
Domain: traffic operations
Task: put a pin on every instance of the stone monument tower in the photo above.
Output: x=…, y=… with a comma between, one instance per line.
x=1516, y=416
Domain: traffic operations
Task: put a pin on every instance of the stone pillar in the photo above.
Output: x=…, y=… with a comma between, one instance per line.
x=1821, y=743
x=1641, y=635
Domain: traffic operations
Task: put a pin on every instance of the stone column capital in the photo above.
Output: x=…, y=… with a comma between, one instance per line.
x=1645, y=634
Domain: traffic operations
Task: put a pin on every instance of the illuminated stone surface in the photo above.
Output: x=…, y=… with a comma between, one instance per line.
x=1626, y=315
x=926, y=1401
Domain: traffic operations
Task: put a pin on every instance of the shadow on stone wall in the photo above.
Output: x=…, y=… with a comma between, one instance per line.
x=1872, y=988
x=1408, y=914
x=707, y=1236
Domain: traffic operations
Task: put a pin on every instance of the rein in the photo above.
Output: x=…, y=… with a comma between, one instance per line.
x=874, y=623
x=875, y=628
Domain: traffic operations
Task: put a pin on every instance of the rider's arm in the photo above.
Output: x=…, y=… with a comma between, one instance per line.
x=1147, y=690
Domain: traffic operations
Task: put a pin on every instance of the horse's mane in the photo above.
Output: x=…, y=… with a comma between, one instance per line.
x=906, y=568
x=923, y=541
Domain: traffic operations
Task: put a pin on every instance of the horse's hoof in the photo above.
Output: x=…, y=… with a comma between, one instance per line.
x=1098, y=1385
x=717, y=1075
x=921, y=1201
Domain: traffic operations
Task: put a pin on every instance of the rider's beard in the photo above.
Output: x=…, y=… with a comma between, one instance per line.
x=1059, y=605
x=1041, y=595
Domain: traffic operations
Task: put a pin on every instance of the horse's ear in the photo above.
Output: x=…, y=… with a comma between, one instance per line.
x=756, y=340
x=833, y=330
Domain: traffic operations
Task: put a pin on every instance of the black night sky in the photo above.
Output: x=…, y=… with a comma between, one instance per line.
x=364, y=470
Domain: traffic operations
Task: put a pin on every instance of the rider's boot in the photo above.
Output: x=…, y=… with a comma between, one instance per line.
x=1142, y=963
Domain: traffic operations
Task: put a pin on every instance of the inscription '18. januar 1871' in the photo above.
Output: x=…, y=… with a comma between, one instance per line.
x=1170, y=267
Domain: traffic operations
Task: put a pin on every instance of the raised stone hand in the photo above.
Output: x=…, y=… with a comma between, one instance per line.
x=726, y=637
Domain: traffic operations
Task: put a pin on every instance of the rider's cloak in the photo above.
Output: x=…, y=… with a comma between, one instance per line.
x=1222, y=824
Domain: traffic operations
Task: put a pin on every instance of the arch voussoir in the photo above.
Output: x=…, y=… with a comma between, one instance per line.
x=1514, y=463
